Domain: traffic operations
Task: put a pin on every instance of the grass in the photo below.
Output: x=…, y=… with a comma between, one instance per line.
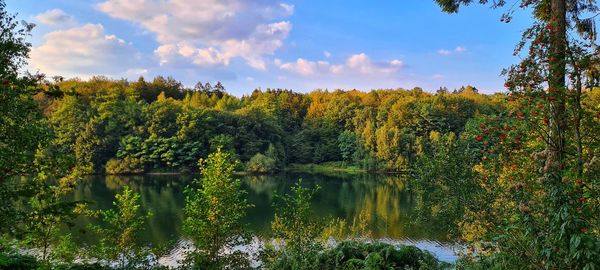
x=331, y=167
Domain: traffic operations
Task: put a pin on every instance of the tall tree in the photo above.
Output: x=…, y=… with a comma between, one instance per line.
x=545, y=83
x=14, y=49
x=554, y=14
x=22, y=127
x=214, y=210
x=26, y=149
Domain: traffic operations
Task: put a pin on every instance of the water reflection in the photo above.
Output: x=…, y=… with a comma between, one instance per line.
x=384, y=201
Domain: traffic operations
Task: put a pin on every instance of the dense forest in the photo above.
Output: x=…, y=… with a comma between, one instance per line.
x=514, y=177
x=135, y=127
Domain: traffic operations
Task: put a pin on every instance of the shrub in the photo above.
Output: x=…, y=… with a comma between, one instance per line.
x=360, y=255
x=127, y=165
x=17, y=262
x=296, y=232
x=121, y=230
x=260, y=163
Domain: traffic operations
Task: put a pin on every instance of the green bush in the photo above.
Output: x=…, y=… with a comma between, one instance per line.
x=360, y=255
x=14, y=261
x=17, y=262
x=296, y=232
x=127, y=165
x=94, y=266
x=260, y=163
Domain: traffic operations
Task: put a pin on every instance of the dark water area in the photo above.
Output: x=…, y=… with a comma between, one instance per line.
x=385, y=202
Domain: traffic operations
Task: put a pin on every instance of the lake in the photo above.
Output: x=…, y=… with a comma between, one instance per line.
x=385, y=201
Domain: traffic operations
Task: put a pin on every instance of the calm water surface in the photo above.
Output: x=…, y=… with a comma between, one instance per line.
x=385, y=200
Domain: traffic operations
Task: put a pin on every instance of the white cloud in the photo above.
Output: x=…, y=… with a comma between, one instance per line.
x=84, y=51
x=438, y=76
x=327, y=54
x=55, y=17
x=363, y=64
x=289, y=9
x=355, y=64
x=443, y=52
x=396, y=63
x=301, y=66
x=135, y=72
x=210, y=32
x=336, y=69
x=173, y=53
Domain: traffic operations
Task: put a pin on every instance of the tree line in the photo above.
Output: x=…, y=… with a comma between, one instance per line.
x=119, y=126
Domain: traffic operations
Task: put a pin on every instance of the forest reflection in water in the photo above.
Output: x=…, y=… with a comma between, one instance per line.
x=383, y=203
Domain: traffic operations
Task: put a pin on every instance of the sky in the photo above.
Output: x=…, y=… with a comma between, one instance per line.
x=294, y=44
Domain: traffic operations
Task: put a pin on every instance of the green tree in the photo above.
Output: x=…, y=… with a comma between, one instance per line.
x=120, y=234
x=444, y=180
x=22, y=131
x=41, y=224
x=224, y=142
x=347, y=144
x=214, y=209
x=68, y=119
x=45, y=212
x=15, y=49
x=296, y=231
x=162, y=117
x=25, y=149
x=22, y=126
x=546, y=90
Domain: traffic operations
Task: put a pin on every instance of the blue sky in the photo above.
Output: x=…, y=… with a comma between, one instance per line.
x=297, y=44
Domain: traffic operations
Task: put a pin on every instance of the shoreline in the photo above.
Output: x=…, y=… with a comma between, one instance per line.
x=309, y=168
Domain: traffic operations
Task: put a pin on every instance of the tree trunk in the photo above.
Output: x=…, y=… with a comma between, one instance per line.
x=557, y=91
x=577, y=110
x=554, y=170
x=577, y=123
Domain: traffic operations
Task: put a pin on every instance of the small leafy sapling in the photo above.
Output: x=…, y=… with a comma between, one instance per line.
x=120, y=233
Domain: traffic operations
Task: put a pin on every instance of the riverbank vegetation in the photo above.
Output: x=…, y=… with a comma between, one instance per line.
x=515, y=176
